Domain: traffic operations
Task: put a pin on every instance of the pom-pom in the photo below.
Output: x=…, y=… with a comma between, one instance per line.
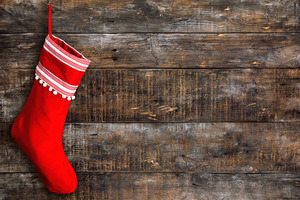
x=69, y=98
x=36, y=77
x=41, y=81
x=55, y=92
x=63, y=96
x=44, y=84
x=73, y=97
x=50, y=89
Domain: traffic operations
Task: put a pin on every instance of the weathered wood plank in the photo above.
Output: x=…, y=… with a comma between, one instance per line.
x=181, y=95
x=108, y=16
x=167, y=186
x=146, y=50
x=170, y=147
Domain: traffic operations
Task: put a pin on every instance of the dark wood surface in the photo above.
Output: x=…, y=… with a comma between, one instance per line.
x=161, y=50
x=153, y=186
x=169, y=95
x=183, y=99
x=170, y=147
x=93, y=16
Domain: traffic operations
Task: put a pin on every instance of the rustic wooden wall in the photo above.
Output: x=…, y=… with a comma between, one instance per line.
x=183, y=99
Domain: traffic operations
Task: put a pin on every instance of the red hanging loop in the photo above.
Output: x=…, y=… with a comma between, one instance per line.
x=49, y=20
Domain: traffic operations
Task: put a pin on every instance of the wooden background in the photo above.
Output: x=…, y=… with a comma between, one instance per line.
x=184, y=99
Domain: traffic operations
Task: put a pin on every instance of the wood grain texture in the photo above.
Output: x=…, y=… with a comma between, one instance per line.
x=170, y=147
x=167, y=186
x=108, y=16
x=183, y=99
x=152, y=50
x=181, y=95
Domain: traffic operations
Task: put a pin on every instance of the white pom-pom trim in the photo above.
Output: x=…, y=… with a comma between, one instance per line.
x=69, y=98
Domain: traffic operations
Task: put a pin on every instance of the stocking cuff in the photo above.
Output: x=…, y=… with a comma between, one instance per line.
x=61, y=67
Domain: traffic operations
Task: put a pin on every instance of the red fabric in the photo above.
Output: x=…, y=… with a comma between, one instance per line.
x=49, y=20
x=38, y=131
x=59, y=68
x=39, y=127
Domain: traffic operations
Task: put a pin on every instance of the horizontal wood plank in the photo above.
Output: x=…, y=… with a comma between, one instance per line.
x=181, y=95
x=109, y=16
x=170, y=147
x=167, y=186
x=146, y=50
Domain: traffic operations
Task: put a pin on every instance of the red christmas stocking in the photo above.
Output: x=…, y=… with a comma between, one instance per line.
x=39, y=127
